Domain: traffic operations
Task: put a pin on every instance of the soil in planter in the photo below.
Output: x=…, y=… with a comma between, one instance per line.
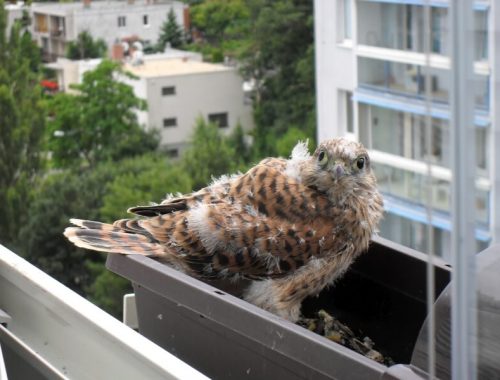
x=331, y=328
x=367, y=316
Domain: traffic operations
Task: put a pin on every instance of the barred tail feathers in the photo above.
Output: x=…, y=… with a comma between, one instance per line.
x=109, y=238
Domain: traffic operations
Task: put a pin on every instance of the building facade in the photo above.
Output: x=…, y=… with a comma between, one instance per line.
x=180, y=89
x=372, y=72
x=54, y=25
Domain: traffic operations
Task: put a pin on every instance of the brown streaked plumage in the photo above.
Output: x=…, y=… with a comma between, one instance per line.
x=293, y=226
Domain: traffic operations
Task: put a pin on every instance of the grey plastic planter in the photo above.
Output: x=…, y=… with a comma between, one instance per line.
x=382, y=295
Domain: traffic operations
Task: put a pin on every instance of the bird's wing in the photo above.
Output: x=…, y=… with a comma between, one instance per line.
x=261, y=224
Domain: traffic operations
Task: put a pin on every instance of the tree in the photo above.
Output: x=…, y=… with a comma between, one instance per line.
x=58, y=198
x=99, y=122
x=222, y=24
x=209, y=155
x=170, y=32
x=103, y=193
x=22, y=123
x=142, y=180
x=85, y=47
x=286, y=143
x=242, y=148
x=218, y=20
x=273, y=44
x=279, y=58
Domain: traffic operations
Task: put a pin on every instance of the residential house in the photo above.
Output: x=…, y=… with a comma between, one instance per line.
x=56, y=24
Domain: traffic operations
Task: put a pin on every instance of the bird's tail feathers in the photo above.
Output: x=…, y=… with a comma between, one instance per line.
x=104, y=237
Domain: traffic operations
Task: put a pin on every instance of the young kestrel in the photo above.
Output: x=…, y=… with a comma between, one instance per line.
x=292, y=226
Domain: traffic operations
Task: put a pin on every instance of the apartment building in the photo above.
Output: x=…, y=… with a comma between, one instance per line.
x=14, y=12
x=56, y=24
x=179, y=88
x=371, y=79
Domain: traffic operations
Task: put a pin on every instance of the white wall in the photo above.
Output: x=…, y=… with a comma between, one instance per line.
x=14, y=12
x=335, y=68
x=196, y=94
x=103, y=22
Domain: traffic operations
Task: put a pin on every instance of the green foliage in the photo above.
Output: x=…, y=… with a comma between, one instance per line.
x=287, y=142
x=273, y=43
x=85, y=47
x=58, y=198
x=220, y=23
x=108, y=289
x=209, y=155
x=218, y=19
x=170, y=32
x=99, y=122
x=103, y=193
x=243, y=152
x=143, y=180
x=283, y=69
x=22, y=123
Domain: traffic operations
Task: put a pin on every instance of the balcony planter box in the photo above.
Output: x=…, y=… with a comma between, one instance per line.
x=382, y=296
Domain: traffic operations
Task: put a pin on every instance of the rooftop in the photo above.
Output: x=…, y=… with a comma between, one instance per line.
x=172, y=67
x=61, y=9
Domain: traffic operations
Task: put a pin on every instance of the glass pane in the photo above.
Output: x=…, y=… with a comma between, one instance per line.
x=412, y=187
x=402, y=79
x=480, y=36
x=347, y=19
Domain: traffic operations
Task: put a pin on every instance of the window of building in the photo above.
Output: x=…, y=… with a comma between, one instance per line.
x=412, y=233
x=168, y=90
x=344, y=22
x=219, y=118
x=480, y=36
x=347, y=20
x=122, y=21
x=346, y=114
x=482, y=149
x=145, y=20
x=401, y=26
x=45, y=44
x=172, y=153
x=439, y=22
x=404, y=134
x=405, y=79
x=170, y=122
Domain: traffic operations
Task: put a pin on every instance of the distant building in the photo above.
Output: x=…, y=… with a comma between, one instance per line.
x=178, y=90
x=14, y=12
x=56, y=24
x=70, y=72
x=370, y=66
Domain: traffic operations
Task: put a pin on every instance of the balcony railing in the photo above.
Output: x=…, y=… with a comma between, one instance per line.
x=409, y=80
x=49, y=332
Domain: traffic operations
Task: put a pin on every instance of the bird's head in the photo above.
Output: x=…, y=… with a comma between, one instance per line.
x=339, y=167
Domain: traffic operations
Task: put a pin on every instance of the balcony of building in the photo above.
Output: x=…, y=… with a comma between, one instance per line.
x=409, y=80
x=407, y=165
x=41, y=23
x=389, y=25
x=57, y=27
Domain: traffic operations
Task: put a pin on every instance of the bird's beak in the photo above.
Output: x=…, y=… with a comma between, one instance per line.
x=338, y=170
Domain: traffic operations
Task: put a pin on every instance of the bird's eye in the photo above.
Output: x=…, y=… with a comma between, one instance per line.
x=360, y=163
x=322, y=158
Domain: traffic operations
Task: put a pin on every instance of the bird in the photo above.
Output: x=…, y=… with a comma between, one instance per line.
x=290, y=226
